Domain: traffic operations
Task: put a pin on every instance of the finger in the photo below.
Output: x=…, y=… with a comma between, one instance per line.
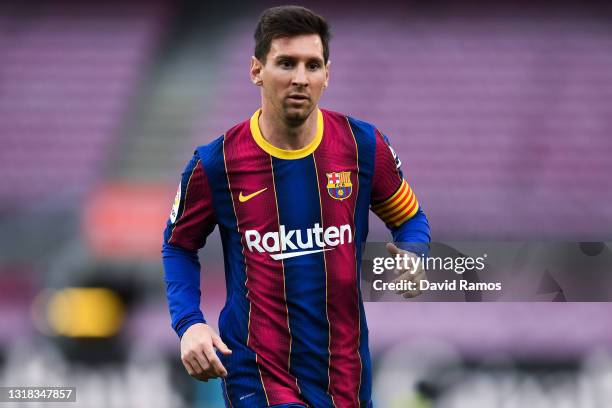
x=188, y=366
x=414, y=292
x=199, y=362
x=411, y=294
x=414, y=270
x=198, y=365
x=221, y=346
x=393, y=250
x=409, y=278
x=405, y=276
x=215, y=364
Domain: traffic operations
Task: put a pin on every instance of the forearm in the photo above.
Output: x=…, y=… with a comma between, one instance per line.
x=414, y=234
x=182, y=277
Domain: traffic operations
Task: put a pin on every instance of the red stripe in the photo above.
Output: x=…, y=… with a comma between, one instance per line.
x=249, y=170
x=197, y=219
x=386, y=175
x=337, y=153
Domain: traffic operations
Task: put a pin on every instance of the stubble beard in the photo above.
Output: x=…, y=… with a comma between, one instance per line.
x=296, y=117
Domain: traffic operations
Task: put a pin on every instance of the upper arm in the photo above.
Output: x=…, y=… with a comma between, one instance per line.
x=391, y=199
x=192, y=217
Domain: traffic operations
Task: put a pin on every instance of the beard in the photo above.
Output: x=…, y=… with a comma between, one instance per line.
x=295, y=116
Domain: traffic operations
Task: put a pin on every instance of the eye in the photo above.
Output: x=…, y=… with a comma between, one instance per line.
x=313, y=66
x=285, y=64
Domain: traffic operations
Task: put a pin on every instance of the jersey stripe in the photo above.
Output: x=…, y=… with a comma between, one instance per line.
x=243, y=374
x=284, y=278
x=299, y=209
x=343, y=311
x=249, y=170
x=326, y=292
x=357, y=288
x=365, y=141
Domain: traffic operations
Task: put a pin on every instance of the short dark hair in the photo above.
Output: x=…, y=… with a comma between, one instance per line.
x=289, y=21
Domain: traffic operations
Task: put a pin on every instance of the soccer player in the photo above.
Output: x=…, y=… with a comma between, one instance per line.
x=290, y=190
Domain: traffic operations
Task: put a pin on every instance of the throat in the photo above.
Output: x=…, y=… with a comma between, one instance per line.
x=286, y=135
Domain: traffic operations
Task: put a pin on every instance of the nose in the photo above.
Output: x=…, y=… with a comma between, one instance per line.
x=300, y=78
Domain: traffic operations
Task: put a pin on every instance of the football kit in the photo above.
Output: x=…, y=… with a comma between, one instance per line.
x=292, y=224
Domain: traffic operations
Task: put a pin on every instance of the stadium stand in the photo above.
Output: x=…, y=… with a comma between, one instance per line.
x=66, y=78
x=490, y=116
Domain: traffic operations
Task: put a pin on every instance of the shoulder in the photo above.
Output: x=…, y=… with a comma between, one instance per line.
x=364, y=133
x=361, y=129
x=207, y=153
x=213, y=151
x=211, y=155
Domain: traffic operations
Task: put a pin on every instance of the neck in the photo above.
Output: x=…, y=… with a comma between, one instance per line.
x=287, y=136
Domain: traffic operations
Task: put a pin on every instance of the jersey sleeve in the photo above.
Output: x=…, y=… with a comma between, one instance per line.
x=392, y=199
x=191, y=220
x=192, y=217
x=395, y=203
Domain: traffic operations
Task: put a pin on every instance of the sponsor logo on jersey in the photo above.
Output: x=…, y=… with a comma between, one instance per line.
x=298, y=242
x=339, y=185
x=176, y=205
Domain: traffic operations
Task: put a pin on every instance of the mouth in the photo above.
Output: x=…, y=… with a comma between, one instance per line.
x=298, y=97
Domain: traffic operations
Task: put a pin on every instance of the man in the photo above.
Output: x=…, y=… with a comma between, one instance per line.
x=290, y=191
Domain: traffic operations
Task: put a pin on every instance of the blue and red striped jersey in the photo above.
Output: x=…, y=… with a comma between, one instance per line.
x=292, y=224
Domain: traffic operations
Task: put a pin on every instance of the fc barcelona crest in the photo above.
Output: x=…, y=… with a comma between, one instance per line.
x=339, y=185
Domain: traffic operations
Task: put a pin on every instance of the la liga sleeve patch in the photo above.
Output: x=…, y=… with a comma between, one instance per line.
x=176, y=205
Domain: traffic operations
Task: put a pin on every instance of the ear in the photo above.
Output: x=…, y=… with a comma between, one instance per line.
x=255, y=72
x=327, y=67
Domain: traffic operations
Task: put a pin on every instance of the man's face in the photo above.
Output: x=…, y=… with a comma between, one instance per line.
x=293, y=76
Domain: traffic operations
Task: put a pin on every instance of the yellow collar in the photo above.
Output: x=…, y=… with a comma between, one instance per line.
x=282, y=153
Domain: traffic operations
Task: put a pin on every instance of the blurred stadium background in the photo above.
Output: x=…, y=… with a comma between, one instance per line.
x=501, y=113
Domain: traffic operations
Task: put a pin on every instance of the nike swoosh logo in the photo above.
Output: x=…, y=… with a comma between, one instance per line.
x=277, y=257
x=243, y=198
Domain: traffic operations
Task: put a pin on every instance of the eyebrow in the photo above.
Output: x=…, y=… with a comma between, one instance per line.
x=292, y=58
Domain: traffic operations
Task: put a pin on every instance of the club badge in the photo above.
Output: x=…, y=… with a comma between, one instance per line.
x=339, y=185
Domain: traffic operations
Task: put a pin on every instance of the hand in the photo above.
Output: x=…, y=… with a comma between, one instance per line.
x=198, y=353
x=408, y=275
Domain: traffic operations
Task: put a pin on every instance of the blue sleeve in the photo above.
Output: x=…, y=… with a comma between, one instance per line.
x=182, y=277
x=413, y=235
x=191, y=220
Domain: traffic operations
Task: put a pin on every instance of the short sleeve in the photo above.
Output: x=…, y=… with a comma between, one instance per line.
x=192, y=217
x=391, y=199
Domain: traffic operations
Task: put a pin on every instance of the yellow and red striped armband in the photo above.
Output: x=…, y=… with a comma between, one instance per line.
x=398, y=208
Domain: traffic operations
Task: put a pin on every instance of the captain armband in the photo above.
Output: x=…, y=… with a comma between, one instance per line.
x=398, y=208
